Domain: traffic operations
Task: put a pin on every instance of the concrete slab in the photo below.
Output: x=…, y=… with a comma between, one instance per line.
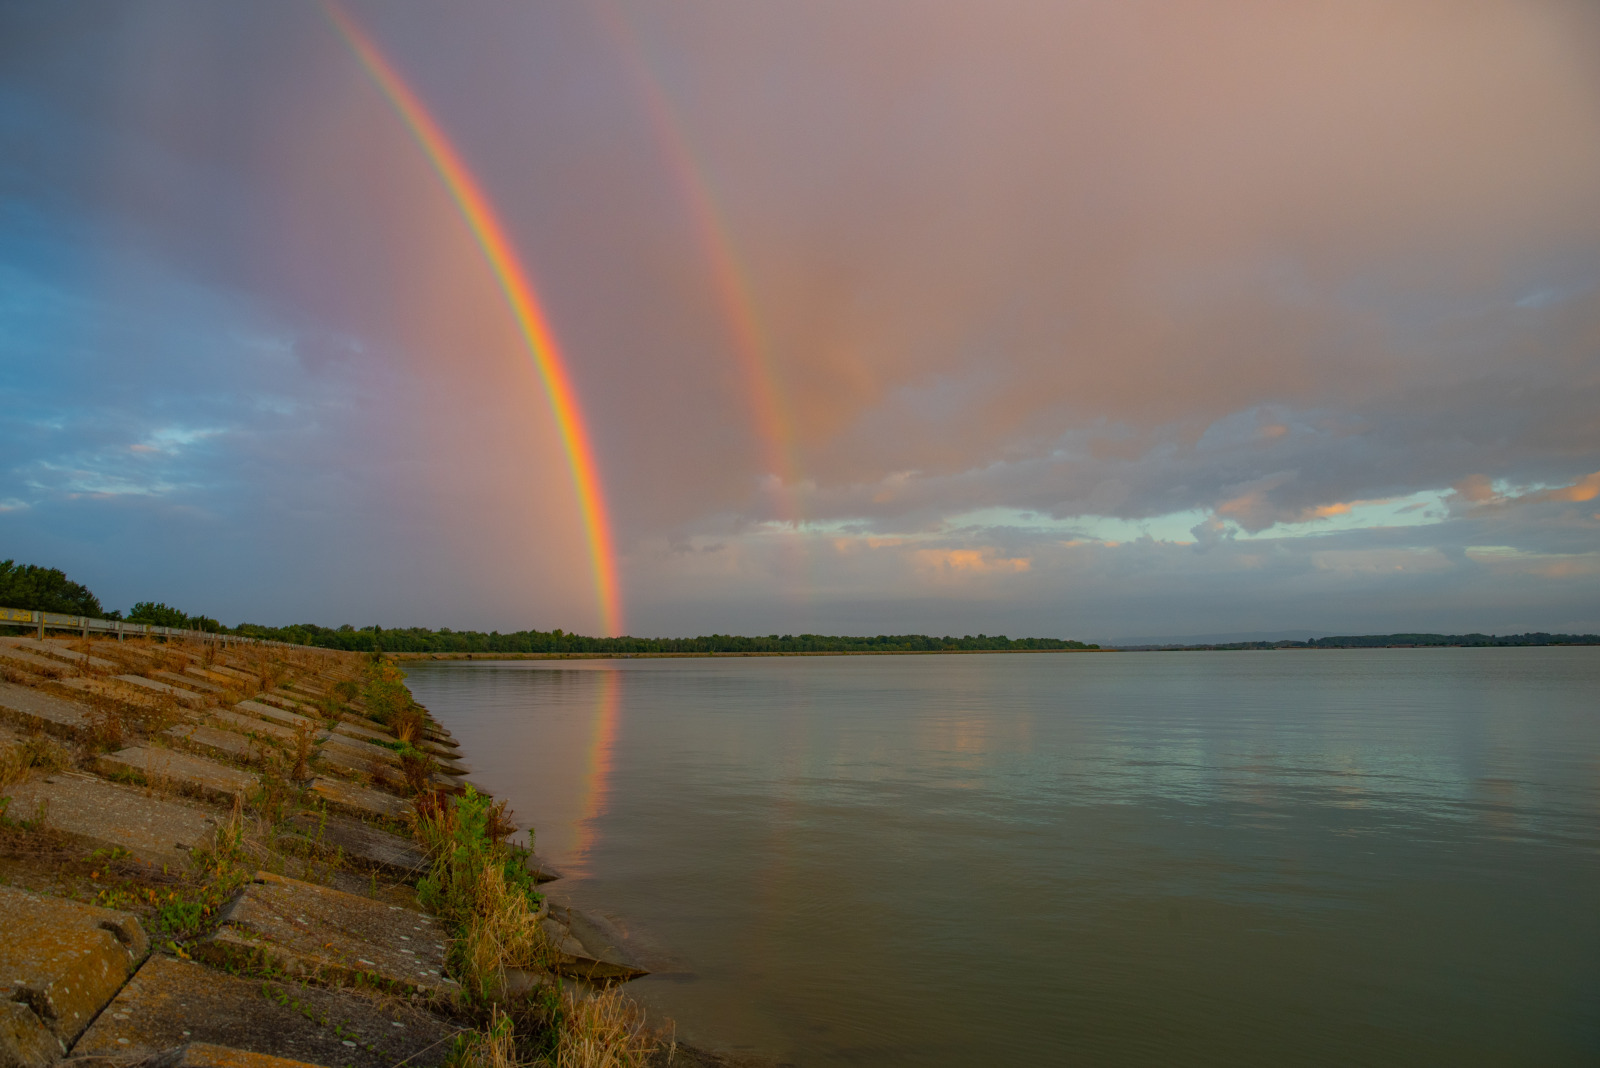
x=116, y=690
x=340, y=763
x=274, y=713
x=108, y=815
x=59, y=651
x=35, y=710
x=235, y=674
x=47, y=666
x=184, y=697
x=171, y=1003
x=205, y=674
x=207, y=776
x=60, y=962
x=586, y=947
x=187, y=681
x=363, y=842
x=358, y=799
x=367, y=734
x=362, y=721
x=231, y=720
x=357, y=747
x=230, y=744
x=286, y=703
x=329, y=936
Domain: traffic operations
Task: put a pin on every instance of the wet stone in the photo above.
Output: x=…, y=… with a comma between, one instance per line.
x=586, y=947
x=359, y=799
x=169, y=1004
x=41, y=711
x=60, y=962
x=206, y=776
x=107, y=815
x=303, y=929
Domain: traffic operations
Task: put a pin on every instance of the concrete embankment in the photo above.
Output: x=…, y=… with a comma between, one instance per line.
x=207, y=858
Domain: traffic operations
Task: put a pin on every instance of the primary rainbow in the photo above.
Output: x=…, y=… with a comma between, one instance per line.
x=478, y=212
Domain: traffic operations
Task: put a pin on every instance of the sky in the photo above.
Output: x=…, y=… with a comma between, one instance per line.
x=1069, y=319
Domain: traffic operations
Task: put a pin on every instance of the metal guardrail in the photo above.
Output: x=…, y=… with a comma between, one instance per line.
x=85, y=625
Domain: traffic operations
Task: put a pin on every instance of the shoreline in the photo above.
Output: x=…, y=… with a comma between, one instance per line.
x=273, y=857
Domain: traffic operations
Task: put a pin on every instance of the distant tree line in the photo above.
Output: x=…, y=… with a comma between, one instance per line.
x=1405, y=641
x=445, y=640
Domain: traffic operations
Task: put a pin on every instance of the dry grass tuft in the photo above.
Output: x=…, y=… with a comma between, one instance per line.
x=606, y=1030
x=300, y=770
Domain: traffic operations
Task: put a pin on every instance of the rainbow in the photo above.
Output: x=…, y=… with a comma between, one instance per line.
x=732, y=282
x=479, y=214
x=597, y=780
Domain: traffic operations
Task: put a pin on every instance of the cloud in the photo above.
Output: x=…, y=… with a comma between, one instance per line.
x=1170, y=299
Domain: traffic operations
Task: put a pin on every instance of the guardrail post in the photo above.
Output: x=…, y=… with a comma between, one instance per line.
x=84, y=620
x=40, y=617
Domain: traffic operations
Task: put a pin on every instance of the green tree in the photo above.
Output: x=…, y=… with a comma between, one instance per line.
x=44, y=589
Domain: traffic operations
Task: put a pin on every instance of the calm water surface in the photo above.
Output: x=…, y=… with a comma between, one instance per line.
x=1386, y=857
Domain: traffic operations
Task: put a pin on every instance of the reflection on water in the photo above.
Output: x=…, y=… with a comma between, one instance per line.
x=1369, y=857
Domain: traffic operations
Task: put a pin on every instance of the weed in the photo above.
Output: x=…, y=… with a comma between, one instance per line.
x=417, y=767
x=303, y=739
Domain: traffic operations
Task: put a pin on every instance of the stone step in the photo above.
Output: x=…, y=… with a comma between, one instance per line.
x=116, y=690
x=60, y=963
x=184, y=697
x=274, y=713
x=235, y=674
x=230, y=720
x=170, y=1004
x=368, y=844
x=330, y=937
x=35, y=710
x=206, y=675
x=204, y=776
x=362, y=721
x=359, y=799
x=107, y=815
x=355, y=730
x=223, y=743
x=187, y=681
x=47, y=666
x=286, y=703
x=60, y=652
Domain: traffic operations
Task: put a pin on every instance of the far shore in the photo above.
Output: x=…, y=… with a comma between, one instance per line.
x=705, y=656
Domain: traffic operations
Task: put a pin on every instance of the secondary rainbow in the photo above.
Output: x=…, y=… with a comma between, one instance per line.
x=740, y=310
x=479, y=214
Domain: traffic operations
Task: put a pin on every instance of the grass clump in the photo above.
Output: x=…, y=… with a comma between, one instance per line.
x=479, y=883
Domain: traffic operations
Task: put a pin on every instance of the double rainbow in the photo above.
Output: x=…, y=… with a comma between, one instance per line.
x=479, y=214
